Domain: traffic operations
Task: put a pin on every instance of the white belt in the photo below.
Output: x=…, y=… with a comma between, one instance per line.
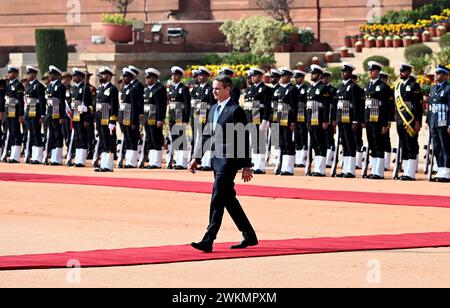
x=310, y=104
x=370, y=103
x=341, y=104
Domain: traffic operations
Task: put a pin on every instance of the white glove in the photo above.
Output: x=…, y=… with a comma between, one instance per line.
x=111, y=127
x=82, y=109
x=264, y=126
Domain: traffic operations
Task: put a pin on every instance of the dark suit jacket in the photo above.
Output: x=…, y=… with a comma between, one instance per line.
x=223, y=145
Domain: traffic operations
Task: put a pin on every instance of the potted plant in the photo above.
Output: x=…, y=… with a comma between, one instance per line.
x=329, y=56
x=344, y=52
x=433, y=31
x=426, y=36
x=291, y=37
x=315, y=60
x=414, y=40
x=380, y=42
x=397, y=41
x=354, y=39
x=358, y=46
x=372, y=42
x=348, y=41
x=406, y=41
x=388, y=41
x=117, y=28
x=441, y=30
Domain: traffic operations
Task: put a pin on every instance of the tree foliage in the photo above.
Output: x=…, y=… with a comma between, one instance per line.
x=277, y=9
x=121, y=5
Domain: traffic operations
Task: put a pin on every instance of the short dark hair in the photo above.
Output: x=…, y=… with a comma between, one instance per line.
x=225, y=80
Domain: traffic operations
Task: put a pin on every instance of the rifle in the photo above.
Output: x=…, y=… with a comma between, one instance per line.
x=169, y=156
x=143, y=150
x=309, y=158
x=336, y=155
x=27, y=148
x=366, y=162
x=69, y=151
x=398, y=161
x=47, y=143
x=96, y=150
x=431, y=160
x=427, y=155
x=120, y=155
x=5, y=148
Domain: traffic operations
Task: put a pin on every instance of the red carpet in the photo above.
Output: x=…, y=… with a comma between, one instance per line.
x=185, y=253
x=243, y=190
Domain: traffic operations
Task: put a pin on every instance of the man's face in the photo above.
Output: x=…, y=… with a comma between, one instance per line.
x=274, y=80
x=440, y=77
x=151, y=80
x=53, y=76
x=315, y=77
x=404, y=74
x=326, y=79
x=346, y=75
x=127, y=79
x=105, y=78
x=202, y=78
x=374, y=74
x=31, y=76
x=300, y=80
x=66, y=81
x=12, y=75
x=256, y=78
x=77, y=78
x=220, y=92
x=286, y=79
x=176, y=78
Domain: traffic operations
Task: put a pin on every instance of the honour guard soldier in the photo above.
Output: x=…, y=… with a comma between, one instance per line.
x=349, y=115
x=287, y=108
x=179, y=112
x=81, y=115
x=318, y=118
x=35, y=109
x=275, y=77
x=55, y=95
x=326, y=78
x=107, y=109
x=203, y=99
x=359, y=130
x=387, y=137
x=439, y=122
x=235, y=91
x=408, y=102
x=257, y=107
x=66, y=80
x=249, y=84
x=377, y=115
x=301, y=131
x=155, y=107
x=132, y=95
x=3, y=84
x=14, y=109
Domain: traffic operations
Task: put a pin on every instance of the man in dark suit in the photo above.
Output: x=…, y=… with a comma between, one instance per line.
x=227, y=159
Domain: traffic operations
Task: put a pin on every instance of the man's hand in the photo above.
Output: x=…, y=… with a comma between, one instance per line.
x=384, y=130
x=192, y=166
x=21, y=119
x=62, y=121
x=86, y=124
x=417, y=127
x=355, y=127
x=364, y=125
x=41, y=120
x=325, y=125
x=1, y=116
x=293, y=126
x=247, y=175
x=160, y=124
x=448, y=130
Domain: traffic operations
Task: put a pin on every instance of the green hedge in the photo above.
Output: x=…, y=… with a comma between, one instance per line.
x=412, y=16
x=417, y=51
x=51, y=49
x=383, y=60
x=444, y=41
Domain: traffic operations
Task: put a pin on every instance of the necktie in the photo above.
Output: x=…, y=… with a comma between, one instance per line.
x=216, y=116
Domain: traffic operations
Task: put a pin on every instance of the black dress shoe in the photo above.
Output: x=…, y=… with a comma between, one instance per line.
x=258, y=172
x=98, y=170
x=106, y=170
x=442, y=180
x=376, y=177
x=341, y=175
x=79, y=166
x=34, y=162
x=129, y=167
x=13, y=161
x=286, y=174
x=318, y=174
x=349, y=176
x=152, y=167
x=406, y=178
x=55, y=164
x=299, y=166
x=277, y=172
x=179, y=168
x=203, y=246
x=206, y=169
x=245, y=243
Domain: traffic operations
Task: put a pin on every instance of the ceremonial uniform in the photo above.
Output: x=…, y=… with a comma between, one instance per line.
x=408, y=99
x=14, y=109
x=439, y=122
x=155, y=107
x=2, y=110
x=275, y=119
x=329, y=133
x=258, y=109
x=377, y=116
x=107, y=113
x=318, y=112
x=179, y=112
x=301, y=131
x=287, y=108
x=35, y=109
x=55, y=95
